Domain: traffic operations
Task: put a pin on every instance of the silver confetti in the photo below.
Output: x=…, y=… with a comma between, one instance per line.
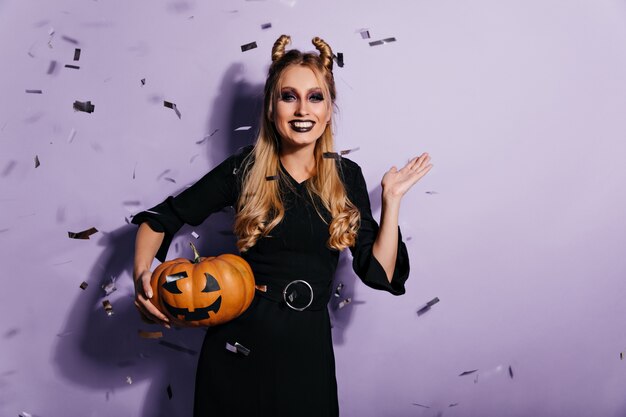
x=338, y=289
x=345, y=302
x=108, y=308
x=172, y=106
x=382, y=41
x=176, y=276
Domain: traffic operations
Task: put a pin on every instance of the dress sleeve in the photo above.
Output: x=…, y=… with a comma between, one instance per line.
x=214, y=191
x=364, y=263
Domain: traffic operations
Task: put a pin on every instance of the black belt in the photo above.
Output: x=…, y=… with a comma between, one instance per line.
x=298, y=294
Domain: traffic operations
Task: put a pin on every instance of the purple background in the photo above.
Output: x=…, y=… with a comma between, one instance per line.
x=520, y=104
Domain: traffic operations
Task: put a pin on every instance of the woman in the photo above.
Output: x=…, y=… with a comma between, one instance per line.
x=298, y=205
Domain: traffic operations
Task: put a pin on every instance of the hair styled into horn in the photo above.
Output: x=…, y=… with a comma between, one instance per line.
x=278, y=50
x=260, y=206
x=326, y=53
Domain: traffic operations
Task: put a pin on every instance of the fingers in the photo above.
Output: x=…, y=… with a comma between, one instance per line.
x=145, y=282
x=148, y=311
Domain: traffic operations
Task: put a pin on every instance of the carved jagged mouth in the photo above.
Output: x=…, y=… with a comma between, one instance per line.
x=198, y=314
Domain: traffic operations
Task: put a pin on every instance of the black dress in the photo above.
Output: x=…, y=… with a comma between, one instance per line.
x=290, y=368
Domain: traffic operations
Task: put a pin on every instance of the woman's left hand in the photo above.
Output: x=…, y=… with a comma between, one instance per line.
x=396, y=182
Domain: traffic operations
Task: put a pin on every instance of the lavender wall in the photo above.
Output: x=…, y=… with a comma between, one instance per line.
x=520, y=104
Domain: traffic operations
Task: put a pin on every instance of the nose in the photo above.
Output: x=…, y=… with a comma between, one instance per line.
x=302, y=108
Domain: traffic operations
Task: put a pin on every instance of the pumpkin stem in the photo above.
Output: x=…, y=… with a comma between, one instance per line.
x=195, y=253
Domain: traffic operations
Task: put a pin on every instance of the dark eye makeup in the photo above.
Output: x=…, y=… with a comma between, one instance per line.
x=289, y=96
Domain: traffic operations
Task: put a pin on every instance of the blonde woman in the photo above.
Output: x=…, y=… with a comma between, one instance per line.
x=297, y=206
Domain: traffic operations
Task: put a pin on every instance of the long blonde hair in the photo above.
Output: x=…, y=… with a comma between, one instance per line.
x=260, y=207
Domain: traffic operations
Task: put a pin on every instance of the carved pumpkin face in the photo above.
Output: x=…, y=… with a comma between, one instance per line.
x=203, y=292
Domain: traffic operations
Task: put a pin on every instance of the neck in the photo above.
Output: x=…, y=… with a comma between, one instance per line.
x=299, y=162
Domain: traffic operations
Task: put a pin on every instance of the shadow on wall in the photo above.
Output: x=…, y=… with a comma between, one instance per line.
x=101, y=352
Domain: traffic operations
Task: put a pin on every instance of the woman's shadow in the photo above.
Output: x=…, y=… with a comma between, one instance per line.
x=105, y=352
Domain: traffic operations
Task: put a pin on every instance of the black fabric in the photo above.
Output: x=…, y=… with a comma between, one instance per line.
x=290, y=370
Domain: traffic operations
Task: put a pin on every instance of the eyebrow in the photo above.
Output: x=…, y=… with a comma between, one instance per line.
x=309, y=90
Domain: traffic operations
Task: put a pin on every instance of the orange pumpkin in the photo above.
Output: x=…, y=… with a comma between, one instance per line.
x=203, y=292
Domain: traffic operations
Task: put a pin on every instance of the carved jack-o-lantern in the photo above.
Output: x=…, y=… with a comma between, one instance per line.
x=203, y=292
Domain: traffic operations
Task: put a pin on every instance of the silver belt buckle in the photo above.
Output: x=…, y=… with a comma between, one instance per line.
x=290, y=296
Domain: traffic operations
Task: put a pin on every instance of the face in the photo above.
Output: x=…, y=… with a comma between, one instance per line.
x=302, y=110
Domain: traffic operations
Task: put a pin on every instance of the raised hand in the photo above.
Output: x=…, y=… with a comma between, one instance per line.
x=396, y=182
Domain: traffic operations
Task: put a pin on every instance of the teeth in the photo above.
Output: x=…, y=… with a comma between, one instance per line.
x=303, y=125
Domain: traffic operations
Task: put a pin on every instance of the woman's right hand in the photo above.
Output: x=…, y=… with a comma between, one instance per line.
x=143, y=292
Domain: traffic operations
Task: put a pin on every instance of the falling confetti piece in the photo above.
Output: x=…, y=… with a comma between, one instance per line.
x=109, y=288
x=427, y=306
x=511, y=372
x=108, y=308
x=86, y=106
x=338, y=155
x=176, y=276
x=467, y=372
x=453, y=405
x=266, y=26
x=344, y=303
x=193, y=158
x=365, y=33
x=34, y=92
x=76, y=54
x=51, y=67
x=270, y=177
x=243, y=128
x=72, y=66
x=177, y=347
x=421, y=405
x=172, y=106
x=70, y=139
x=170, y=179
x=70, y=40
x=25, y=414
x=83, y=285
x=9, y=168
x=37, y=163
x=169, y=391
x=248, y=46
x=129, y=380
x=82, y=235
x=382, y=41
x=163, y=173
x=194, y=234
x=237, y=348
x=143, y=81
x=432, y=192
x=50, y=37
x=338, y=289
x=339, y=59
x=150, y=335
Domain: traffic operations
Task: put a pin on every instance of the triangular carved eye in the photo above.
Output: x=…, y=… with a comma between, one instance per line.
x=211, y=283
x=172, y=287
x=170, y=282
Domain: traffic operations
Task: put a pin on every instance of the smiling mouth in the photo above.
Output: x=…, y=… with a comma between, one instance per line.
x=301, y=126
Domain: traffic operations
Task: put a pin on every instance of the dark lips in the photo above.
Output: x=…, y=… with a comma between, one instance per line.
x=301, y=129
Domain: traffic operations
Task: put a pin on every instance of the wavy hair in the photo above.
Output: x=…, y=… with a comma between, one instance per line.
x=260, y=207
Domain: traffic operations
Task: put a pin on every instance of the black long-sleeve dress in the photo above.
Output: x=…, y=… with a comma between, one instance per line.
x=290, y=369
